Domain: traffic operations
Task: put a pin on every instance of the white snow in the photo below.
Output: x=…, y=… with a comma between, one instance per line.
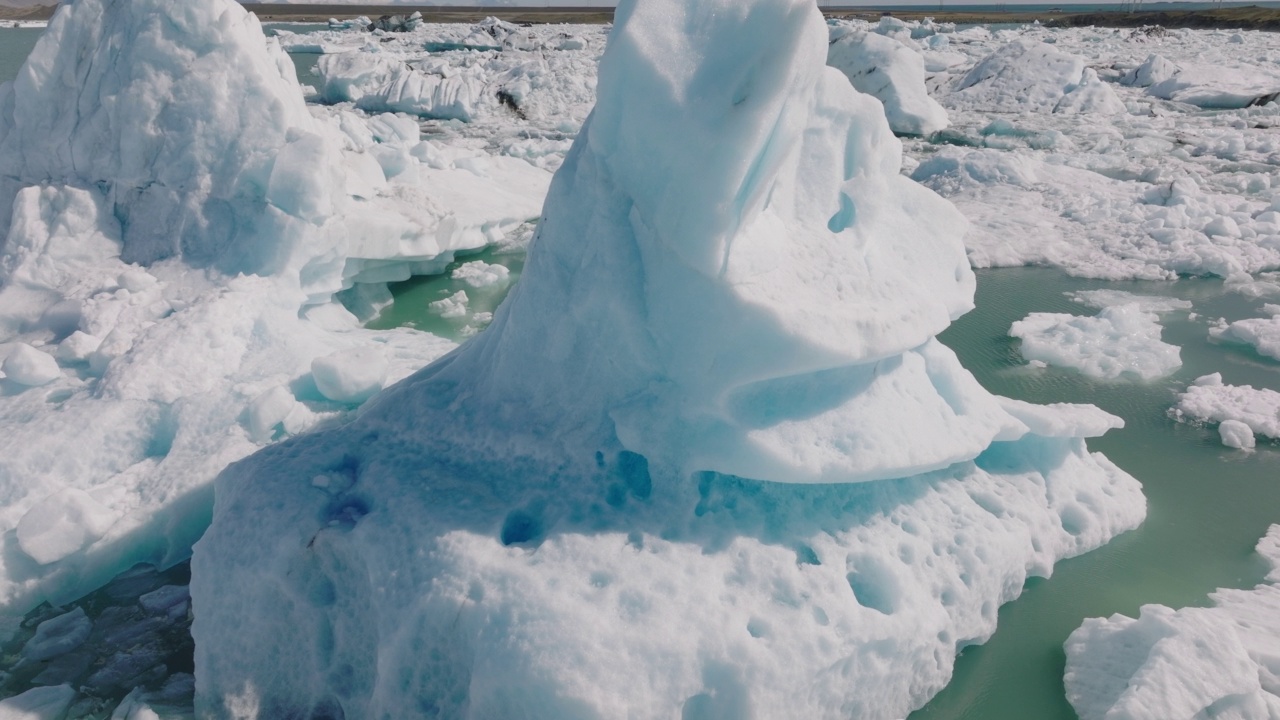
x=708, y=452
x=1209, y=400
x=1122, y=340
x=1221, y=661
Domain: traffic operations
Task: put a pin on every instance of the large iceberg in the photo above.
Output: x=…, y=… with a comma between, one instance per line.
x=708, y=460
x=174, y=225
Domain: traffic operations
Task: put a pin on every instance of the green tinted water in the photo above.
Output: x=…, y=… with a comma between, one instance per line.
x=1208, y=504
x=15, y=46
x=412, y=307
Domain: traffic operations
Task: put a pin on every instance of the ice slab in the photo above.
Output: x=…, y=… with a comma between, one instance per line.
x=1121, y=340
x=1221, y=661
x=1030, y=76
x=708, y=460
x=1209, y=400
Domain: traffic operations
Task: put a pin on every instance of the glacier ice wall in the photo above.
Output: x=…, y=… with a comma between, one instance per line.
x=173, y=225
x=708, y=460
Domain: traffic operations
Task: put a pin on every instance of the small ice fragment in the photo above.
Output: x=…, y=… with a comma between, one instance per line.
x=479, y=274
x=135, y=279
x=56, y=636
x=1236, y=434
x=77, y=347
x=454, y=306
x=62, y=524
x=350, y=376
x=26, y=365
x=268, y=410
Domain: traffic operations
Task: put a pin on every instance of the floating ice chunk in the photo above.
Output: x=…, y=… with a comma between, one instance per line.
x=38, y=703
x=1062, y=419
x=350, y=376
x=58, y=635
x=480, y=274
x=1216, y=87
x=1187, y=664
x=1120, y=340
x=893, y=74
x=26, y=365
x=1236, y=434
x=1106, y=298
x=1209, y=400
x=62, y=524
x=454, y=306
x=1261, y=333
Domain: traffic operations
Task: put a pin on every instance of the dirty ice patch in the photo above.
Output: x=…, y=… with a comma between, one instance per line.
x=1221, y=661
x=1122, y=340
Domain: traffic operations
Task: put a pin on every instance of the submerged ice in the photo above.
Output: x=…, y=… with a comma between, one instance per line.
x=709, y=458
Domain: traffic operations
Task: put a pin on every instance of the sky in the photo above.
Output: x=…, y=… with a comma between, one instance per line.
x=599, y=3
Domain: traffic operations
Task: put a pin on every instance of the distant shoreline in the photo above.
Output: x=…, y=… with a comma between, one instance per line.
x=1245, y=18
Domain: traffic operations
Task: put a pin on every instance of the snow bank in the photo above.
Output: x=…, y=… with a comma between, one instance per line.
x=1220, y=661
x=1030, y=76
x=1209, y=400
x=1120, y=340
x=647, y=488
x=167, y=272
x=894, y=74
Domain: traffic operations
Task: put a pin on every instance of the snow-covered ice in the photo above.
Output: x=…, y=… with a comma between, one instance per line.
x=1122, y=340
x=1263, y=334
x=709, y=459
x=1221, y=661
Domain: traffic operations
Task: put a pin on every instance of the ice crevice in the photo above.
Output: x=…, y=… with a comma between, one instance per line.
x=661, y=482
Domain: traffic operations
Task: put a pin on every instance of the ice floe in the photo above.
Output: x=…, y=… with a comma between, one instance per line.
x=1122, y=340
x=1208, y=399
x=1221, y=661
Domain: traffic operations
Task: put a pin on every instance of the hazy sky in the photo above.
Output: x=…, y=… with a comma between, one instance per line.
x=598, y=3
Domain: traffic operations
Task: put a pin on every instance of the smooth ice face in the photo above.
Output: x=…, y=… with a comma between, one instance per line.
x=646, y=489
x=1215, y=662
